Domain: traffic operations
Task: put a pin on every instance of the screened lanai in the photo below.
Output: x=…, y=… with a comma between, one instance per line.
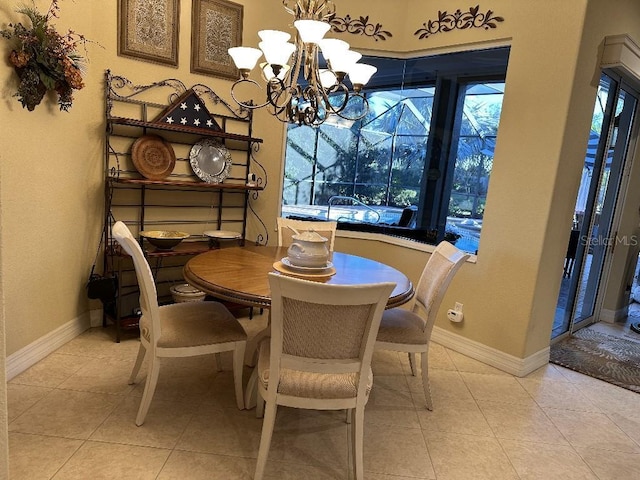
x=369, y=170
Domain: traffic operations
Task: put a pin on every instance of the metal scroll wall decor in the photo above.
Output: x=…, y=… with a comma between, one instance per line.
x=460, y=20
x=358, y=26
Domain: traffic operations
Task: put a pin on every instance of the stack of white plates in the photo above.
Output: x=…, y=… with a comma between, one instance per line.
x=287, y=263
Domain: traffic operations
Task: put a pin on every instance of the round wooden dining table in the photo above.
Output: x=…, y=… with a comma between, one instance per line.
x=239, y=274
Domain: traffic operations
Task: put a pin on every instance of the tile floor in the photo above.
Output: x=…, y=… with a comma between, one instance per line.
x=72, y=418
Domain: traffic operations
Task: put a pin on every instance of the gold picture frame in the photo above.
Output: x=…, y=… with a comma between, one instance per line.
x=216, y=25
x=148, y=30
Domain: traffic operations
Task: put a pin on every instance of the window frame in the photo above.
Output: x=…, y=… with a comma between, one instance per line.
x=442, y=139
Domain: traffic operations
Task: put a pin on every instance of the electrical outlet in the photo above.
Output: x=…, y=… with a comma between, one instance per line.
x=458, y=307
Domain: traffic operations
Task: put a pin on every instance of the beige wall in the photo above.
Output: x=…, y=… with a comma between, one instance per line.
x=51, y=196
x=603, y=18
x=4, y=427
x=626, y=251
x=51, y=183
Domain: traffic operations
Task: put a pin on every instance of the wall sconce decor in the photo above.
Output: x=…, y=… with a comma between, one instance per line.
x=359, y=26
x=447, y=22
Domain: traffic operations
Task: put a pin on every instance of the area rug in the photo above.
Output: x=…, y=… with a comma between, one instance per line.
x=612, y=359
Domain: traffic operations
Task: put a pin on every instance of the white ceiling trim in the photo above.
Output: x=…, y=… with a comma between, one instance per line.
x=621, y=53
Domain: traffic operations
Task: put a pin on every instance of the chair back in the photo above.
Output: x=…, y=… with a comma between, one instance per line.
x=150, y=321
x=285, y=234
x=440, y=269
x=321, y=328
x=408, y=216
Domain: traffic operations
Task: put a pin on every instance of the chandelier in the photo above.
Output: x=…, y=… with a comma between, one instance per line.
x=302, y=86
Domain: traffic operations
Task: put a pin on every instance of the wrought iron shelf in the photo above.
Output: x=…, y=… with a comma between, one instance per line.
x=130, y=122
x=183, y=248
x=181, y=200
x=186, y=184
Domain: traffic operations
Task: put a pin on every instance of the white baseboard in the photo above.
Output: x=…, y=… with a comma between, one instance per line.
x=614, y=316
x=519, y=367
x=28, y=356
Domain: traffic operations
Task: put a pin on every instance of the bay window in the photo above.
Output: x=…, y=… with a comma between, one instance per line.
x=418, y=164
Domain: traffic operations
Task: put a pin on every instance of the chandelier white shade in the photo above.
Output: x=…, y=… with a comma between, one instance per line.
x=299, y=89
x=245, y=58
x=361, y=73
x=311, y=31
x=274, y=36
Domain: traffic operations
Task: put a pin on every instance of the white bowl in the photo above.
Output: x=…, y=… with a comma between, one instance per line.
x=312, y=261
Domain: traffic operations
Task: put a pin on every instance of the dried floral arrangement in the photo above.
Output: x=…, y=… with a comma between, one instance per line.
x=44, y=59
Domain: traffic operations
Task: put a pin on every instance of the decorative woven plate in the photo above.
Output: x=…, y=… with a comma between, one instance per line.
x=210, y=160
x=153, y=157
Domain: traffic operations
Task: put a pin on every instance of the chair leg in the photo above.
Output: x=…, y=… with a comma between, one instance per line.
x=250, y=392
x=425, y=380
x=218, y=360
x=259, y=404
x=253, y=345
x=412, y=363
x=357, y=440
x=136, y=367
x=149, y=390
x=238, y=365
x=265, y=439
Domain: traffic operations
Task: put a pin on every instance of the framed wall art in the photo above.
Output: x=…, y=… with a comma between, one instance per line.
x=216, y=26
x=148, y=30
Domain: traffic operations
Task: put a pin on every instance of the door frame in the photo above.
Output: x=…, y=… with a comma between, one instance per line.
x=618, y=209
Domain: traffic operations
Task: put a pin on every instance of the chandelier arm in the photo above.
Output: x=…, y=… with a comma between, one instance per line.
x=294, y=73
x=365, y=110
x=250, y=106
x=303, y=107
x=277, y=110
x=334, y=89
x=311, y=111
x=282, y=116
x=310, y=9
x=311, y=64
x=275, y=91
x=283, y=111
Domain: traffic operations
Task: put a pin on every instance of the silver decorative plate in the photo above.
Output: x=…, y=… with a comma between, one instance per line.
x=210, y=160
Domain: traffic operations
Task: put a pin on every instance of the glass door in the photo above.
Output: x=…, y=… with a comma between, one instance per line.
x=592, y=236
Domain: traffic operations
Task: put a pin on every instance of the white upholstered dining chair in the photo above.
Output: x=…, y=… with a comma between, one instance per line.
x=319, y=354
x=285, y=232
x=408, y=331
x=178, y=330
